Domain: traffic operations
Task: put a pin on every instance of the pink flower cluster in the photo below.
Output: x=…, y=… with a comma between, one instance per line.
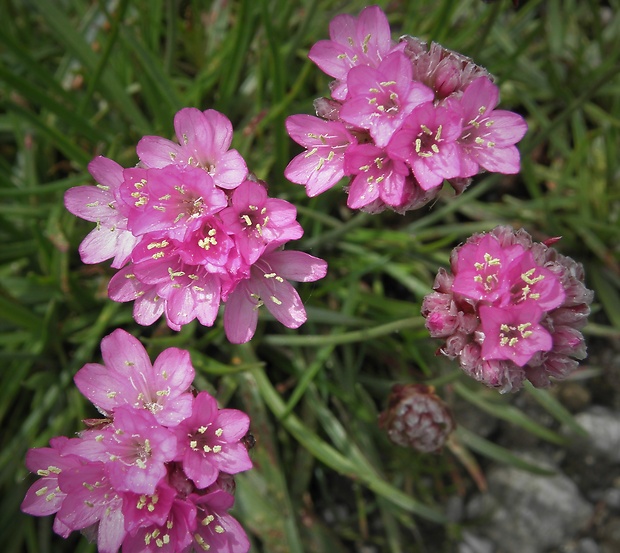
x=511, y=310
x=155, y=474
x=402, y=118
x=189, y=229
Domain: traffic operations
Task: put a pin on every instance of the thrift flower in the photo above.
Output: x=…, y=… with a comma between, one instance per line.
x=380, y=99
x=217, y=530
x=138, y=479
x=127, y=377
x=204, y=141
x=209, y=441
x=171, y=201
x=321, y=166
x=426, y=142
x=489, y=135
x=364, y=40
x=267, y=285
x=423, y=106
x=257, y=220
x=510, y=310
x=110, y=238
x=186, y=226
x=376, y=176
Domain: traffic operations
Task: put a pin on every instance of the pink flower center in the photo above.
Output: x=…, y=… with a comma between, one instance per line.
x=386, y=101
x=426, y=143
x=254, y=220
x=522, y=290
x=200, y=440
x=478, y=129
x=511, y=335
x=488, y=269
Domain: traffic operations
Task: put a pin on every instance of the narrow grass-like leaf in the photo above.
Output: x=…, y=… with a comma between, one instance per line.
x=497, y=453
x=509, y=413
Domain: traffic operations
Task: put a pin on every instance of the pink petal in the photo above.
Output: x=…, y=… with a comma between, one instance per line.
x=155, y=151
x=91, y=204
x=121, y=350
x=106, y=172
x=234, y=423
x=283, y=302
x=240, y=315
x=297, y=266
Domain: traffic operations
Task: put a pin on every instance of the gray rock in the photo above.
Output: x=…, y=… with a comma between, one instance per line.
x=471, y=543
x=603, y=427
x=528, y=513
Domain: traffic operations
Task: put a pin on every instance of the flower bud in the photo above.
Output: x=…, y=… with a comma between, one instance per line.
x=417, y=418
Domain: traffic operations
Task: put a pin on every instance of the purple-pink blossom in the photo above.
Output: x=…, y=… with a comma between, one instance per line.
x=204, y=141
x=186, y=226
x=511, y=309
x=156, y=471
x=427, y=107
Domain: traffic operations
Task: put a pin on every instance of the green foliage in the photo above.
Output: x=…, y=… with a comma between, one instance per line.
x=81, y=78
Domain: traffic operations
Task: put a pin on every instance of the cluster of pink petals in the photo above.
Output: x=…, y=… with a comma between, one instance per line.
x=189, y=229
x=403, y=118
x=154, y=475
x=510, y=310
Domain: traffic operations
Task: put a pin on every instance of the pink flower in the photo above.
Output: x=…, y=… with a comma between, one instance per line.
x=256, y=220
x=125, y=287
x=183, y=244
x=169, y=200
x=489, y=136
x=267, y=286
x=127, y=377
x=427, y=106
x=513, y=333
x=92, y=500
x=380, y=99
x=209, y=441
x=217, y=530
x=188, y=291
x=427, y=142
x=511, y=310
x=377, y=176
x=480, y=268
x=45, y=497
x=173, y=536
x=364, y=40
x=144, y=510
x=135, y=448
x=110, y=238
x=321, y=166
x=205, y=139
